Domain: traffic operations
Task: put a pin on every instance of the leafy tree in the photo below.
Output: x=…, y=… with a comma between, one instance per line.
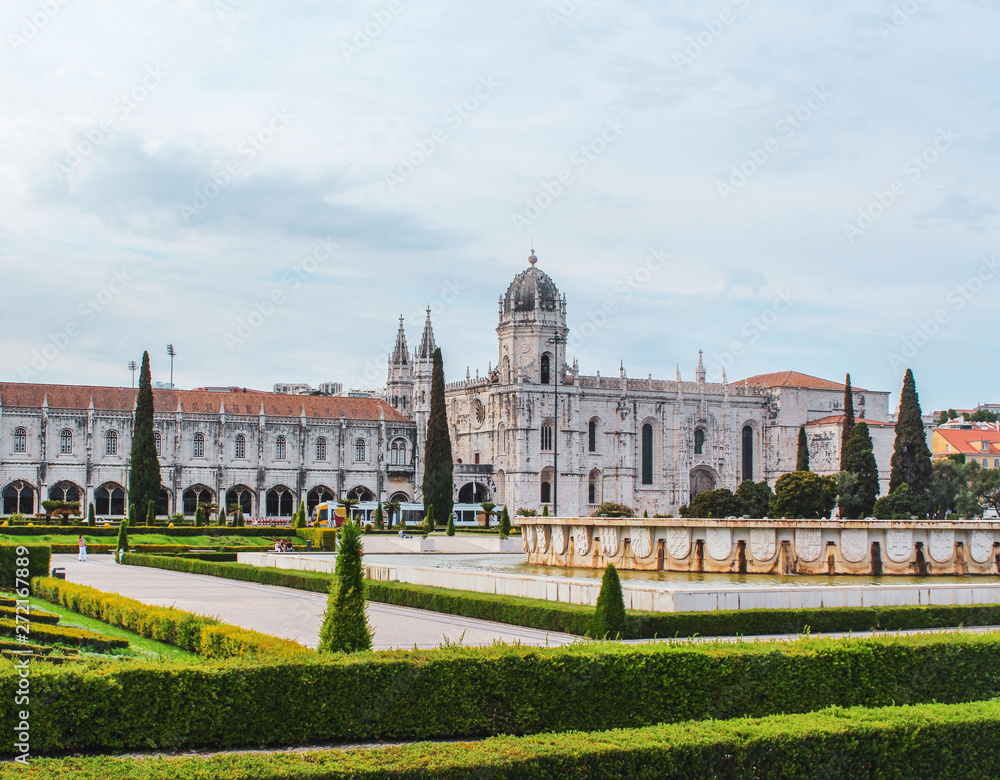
x=122, y=543
x=345, y=626
x=985, y=488
x=911, y=459
x=391, y=508
x=450, y=528
x=609, y=617
x=983, y=415
x=348, y=504
x=857, y=496
x=802, y=456
x=488, y=507
x=438, y=467
x=720, y=502
x=754, y=497
x=607, y=509
x=504, y=524
x=802, y=494
x=848, y=419
x=144, y=476
x=91, y=515
x=950, y=491
x=901, y=503
x=944, y=417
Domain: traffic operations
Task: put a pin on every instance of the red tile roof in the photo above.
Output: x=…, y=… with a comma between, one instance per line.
x=835, y=419
x=962, y=440
x=795, y=379
x=196, y=401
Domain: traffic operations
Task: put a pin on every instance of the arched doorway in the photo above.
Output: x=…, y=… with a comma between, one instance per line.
x=19, y=496
x=473, y=493
x=702, y=480
x=163, y=503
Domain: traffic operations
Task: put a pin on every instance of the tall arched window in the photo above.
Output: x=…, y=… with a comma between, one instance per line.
x=359, y=450
x=546, y=437
x=747, y=452
x=20, y=440
x=320, y=448
x=199, y=445
x=109, y=499
x=592, y=436
x=279, y=448
x=157, y=442
x=66, y=442
x=502, y=439
x=647, y=454
x=111, y=443
x=240, y=448
x=546, y=369
x=594, y=487
x=699, y=442
x=546, y=495
x=18, y=497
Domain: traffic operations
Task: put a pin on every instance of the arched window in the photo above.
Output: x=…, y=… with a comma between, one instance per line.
x=397, y=453
x=747, y=452
x=20, y=440
x=699, y=442
x=157, y=442
x=592, y=435
x=361, y=493
x=318, y=495
x=647, y=454
x=109, y=499
x=546, y=369
x=163, y=503
x=199, y=445
x=66, y=442
x=279, y=448
x=279, y=502
x=240, y=497
x=111, y=443
x=198, y=494
x=240, y=448
x=18, y=497
x=546, y=494
x=546, y=437
x=594, y=487
x=320, y=448
x=64, y=491
x=359, y=450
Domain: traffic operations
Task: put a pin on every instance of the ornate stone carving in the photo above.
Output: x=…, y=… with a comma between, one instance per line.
x=808, y=544
x=559, y=539
x=763, y=543
x=982, y=546
x=609, y=540
x=679, y=542
x=854, y=544
x=581, y=539
x=529, y=537
x=642, y=542
x=542, y=538
x=899, y=544
x=719, y=542
x=941, y=545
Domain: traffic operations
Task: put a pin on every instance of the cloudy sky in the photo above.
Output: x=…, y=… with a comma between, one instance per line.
x=268, y=187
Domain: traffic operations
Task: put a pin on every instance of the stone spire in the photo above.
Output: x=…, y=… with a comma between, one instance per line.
x=427, y=345
x=700, y=373
x=401, y=353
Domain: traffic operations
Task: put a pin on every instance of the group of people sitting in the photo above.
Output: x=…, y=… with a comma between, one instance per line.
x=283, y=545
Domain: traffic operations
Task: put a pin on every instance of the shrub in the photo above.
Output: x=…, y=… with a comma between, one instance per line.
x=504, y=524
x=91, y=516
x=609, y=616
x=450, y=528
x=345, y=625
x=52, y=634
x=612, y=509
x=20, y=563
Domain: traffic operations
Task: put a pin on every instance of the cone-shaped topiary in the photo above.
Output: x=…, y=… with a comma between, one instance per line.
x=379, y=521
x=300, y=516
x=151, y=513
x=122, y=543
x=132, y=518
x=609, y=617
x=450, y=529
x=545, y=510
x=504, y=524
x=429, y=518
x=345, y=626
x=240, y=521
x=91, y=515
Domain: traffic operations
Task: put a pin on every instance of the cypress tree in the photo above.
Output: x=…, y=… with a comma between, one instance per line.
x=122, y=543
x=859, y=460
x=504, y=524
x=911, y=459
x=91, y=516
x=345, y=626
x=144, y=477
x=438, y=466
x=609, y=617
x=848, y=419
x=802, y=456
x=450, y=529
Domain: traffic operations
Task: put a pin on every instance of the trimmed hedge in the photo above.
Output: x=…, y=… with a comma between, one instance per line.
x=34, y=615
x=206, y=636
x=156, y=549
x=322, y=538
x=39, y=558
x=469, y=692
x=316, y=582
x=946, y=742
x=49, y=634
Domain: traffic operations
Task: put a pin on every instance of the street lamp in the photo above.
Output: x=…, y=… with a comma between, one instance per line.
x=556, y=340
x=173, y=353
x=133, y=367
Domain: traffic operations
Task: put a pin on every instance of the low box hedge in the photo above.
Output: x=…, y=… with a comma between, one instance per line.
x=186, y=530
x=933, y=742
x=51, y=634
x=316, y=582
x=34, y=615
x=322, y=538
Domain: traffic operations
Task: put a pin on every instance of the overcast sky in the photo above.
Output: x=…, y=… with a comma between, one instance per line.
x=269, y=186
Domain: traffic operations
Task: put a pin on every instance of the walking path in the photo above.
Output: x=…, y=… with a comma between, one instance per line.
x=289, y=613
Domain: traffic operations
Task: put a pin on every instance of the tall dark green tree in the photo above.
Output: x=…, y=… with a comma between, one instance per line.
x=438, y=466
x=858, y=500
x=848, y=418
x=144, y=477
x=911, y=458
x=802, y=456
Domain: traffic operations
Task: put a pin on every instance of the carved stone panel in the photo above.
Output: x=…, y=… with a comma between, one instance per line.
x=899, y=544
x=581, y=539
x=642, y=542
x=982, y=546
x=719, y=542
x=679, y=542
x=854, y=544
x=942, y=545
x=559, y=539
x=808, y=544
x=529, y=537
x=542, y=537
x=609, y=540
x=763, y=543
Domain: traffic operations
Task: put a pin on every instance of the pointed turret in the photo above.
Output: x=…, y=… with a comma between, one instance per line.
x=400, y=354
x=427, y=345
x=700, y=373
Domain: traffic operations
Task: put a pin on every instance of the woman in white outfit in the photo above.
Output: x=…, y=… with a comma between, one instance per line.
x=83, y=549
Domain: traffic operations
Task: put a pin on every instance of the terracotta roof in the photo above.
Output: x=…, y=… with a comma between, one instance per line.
x=196, y=401
x=962, y=440
x=836, y=419
x=795, y=379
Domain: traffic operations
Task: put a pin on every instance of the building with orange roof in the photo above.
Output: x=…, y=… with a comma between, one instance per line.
x=979, y=443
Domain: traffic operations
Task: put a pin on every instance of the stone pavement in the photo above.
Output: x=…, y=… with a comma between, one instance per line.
x=289, y=613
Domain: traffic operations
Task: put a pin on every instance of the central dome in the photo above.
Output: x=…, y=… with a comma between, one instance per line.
x=529, y=286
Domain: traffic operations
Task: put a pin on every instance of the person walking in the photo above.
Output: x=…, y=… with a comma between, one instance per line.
x=83, y=549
